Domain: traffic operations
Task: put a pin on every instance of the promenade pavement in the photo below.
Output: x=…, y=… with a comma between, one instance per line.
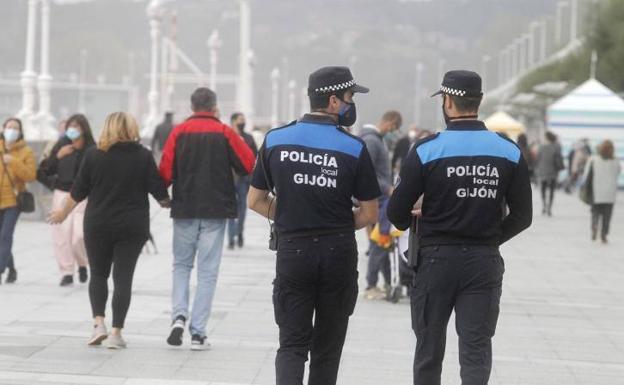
x=562, y=316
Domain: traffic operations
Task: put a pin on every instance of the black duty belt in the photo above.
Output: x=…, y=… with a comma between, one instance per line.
x=315, y=233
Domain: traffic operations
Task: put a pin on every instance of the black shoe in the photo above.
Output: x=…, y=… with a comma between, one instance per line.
x=82, y=274
x=67, y=280
x=199, y=343
x=12, y=276
x=177, y=330
x=231, y=245
x=241, y=242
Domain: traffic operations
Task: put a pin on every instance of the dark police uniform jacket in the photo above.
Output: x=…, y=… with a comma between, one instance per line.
x=467, y=174
x=316, y=169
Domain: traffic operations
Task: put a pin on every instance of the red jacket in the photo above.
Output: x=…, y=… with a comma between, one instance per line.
x=198, y=159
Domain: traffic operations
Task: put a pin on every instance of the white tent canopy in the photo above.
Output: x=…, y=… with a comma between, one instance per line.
x=590, y=111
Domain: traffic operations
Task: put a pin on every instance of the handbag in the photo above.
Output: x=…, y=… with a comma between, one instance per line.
x=25, y=199
x=586, y=191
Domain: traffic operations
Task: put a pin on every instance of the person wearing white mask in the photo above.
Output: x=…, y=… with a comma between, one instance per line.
x=18, y=167
x=60, y=169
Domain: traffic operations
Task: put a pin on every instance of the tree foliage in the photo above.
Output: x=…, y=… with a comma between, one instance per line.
x=605, y=36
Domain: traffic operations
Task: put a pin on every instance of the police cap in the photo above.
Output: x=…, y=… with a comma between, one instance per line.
x=461, y=83
x=328, y=80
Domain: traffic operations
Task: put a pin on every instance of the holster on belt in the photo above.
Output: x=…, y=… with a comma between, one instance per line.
x=412, y=254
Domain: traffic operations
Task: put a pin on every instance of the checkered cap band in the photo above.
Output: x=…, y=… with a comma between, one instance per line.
x=452, y=91
x=336, y=87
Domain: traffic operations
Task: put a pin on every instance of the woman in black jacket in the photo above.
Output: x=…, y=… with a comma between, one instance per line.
x=117, y=177
x=61, y=168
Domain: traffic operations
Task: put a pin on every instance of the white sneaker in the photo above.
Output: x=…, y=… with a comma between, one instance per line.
x=99, y=335
x=115, y=342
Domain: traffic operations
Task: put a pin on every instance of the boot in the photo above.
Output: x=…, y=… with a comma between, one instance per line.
x=12, y=276
x=82, y=274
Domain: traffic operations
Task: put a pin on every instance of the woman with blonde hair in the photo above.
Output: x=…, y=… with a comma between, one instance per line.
x=603, y=169
x=116, y=177
x=18, y=167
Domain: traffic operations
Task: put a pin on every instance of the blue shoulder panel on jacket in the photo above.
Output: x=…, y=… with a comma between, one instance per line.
x=318, y=136
x=467, y=143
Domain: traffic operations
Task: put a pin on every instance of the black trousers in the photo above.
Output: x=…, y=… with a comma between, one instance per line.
x=469, y=280
x=601, y=213
x=314, y=294
x=118, y=251
x=548, y=194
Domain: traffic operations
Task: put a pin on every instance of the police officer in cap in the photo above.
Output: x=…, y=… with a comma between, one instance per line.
x=466, y=174
x=315, y=168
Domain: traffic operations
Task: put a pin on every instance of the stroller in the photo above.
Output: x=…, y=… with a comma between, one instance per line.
x=401, y=274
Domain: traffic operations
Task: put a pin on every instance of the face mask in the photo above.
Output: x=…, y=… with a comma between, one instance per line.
x=241, y=127
x=11, y=135
x=347, y=115
x=73, y=133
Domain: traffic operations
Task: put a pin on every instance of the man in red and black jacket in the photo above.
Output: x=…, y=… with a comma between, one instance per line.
x=197, y=160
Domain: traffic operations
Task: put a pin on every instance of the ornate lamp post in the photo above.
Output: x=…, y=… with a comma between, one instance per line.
x=28, y=76
x=155, y=13
x=45, y=119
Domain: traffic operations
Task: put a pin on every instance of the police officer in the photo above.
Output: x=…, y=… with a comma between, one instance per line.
x=466, y=175
x=315, y=168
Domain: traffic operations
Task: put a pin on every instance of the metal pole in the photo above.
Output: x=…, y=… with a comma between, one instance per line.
x=291, y=99
x=305, y=105
x=559, y=22
x=543, y=42
x=573, y=20
x=82, y=78
x=244, y=94
x=28, y=76
x=484, y=70
x=275, y=91
x=532, y=32
x=44, y=84
x=418, y=94
x=155, y=14
x=441, y=66
x=214, y=43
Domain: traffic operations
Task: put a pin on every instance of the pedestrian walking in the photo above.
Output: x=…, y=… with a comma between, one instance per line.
x=18, y=168
x=604, y=170
x=236, y=226
x=198, y=160
x=379, y=256
x=60, y=168
x=527, y=154
x=464, y=175
x=315, y=167
x=115, y=178
x=548, y=164
x=161, y=133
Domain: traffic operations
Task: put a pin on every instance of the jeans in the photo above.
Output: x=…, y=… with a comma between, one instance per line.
x=8, y=220
x=378, y=261
x=314, y=294
x=467, y=279
x=202, y=238
x=236, y=226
